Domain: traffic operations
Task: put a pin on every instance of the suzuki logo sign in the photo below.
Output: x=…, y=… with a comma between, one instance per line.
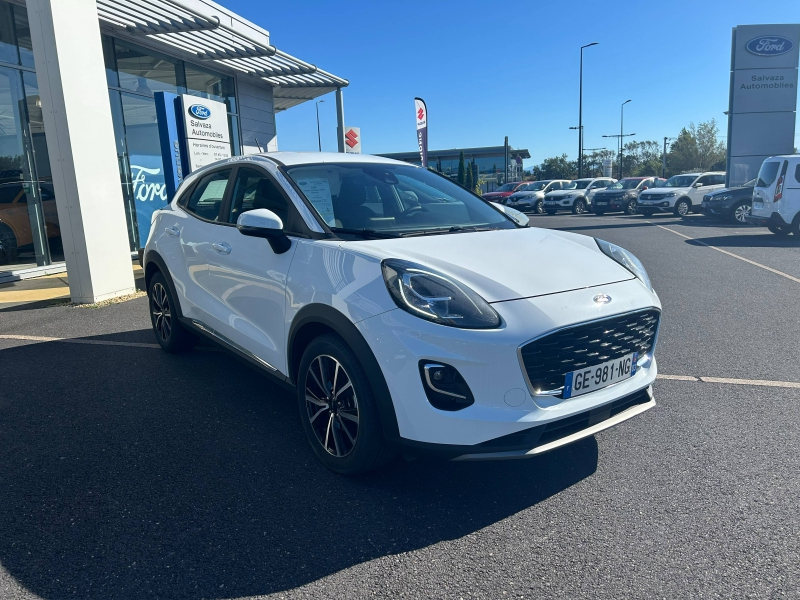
x=420, y=114
x=352, y=140
x=769, y=45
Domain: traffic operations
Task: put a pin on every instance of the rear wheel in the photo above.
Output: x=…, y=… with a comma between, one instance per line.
x=338, y=410
x=779, y=229
x=682, y=208
x=579, y=206
x=171, y=335
x=741, y=211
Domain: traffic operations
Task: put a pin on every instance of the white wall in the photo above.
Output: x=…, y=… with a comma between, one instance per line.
x=256, y=114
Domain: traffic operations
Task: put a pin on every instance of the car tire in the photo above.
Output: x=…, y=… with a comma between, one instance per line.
x=8, y=245
x=632, y=207
x=340, y=416
x=550, y=212
x=579, y=206
x=740, y=212
x=538, y=207
x=779, y=230
x=170, y=333
x=599, y=213
x=647, y=212
x=683, y=208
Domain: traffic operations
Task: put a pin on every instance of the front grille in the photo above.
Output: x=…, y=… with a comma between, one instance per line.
x=548, y=359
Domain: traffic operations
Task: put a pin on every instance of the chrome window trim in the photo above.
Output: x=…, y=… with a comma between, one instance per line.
x=642, y=362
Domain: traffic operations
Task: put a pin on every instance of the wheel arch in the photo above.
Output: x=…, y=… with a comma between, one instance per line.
x=314, y=320
x=153, y=263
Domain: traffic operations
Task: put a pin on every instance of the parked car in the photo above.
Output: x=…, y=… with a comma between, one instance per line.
x=681, y=194
x=503, y=192
x=776, y=195
x=733, y=204
x=533, y=195
x=15, y=219
x=574, y=195
x=388, y=315
x=624, y=194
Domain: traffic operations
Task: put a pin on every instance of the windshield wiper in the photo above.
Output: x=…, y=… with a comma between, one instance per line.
x=365, y=232
x=444, y=230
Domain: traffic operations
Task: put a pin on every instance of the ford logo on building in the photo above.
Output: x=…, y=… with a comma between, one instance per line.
x=199, y=111
x=769, y=45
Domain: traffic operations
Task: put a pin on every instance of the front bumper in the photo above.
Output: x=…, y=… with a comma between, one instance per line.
x=716, y=209
x=665, y=205
x=489, y=363
x=609, y=204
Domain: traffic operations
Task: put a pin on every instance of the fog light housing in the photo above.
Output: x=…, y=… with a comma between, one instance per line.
x=444, y=386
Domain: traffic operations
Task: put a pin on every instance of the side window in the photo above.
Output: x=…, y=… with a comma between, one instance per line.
x=705, y=180
x=256, y=189
x=556, y=185
x=797, y=173
x=207, y=196
x=719, y=180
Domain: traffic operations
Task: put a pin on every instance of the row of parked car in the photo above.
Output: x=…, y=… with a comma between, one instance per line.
x=681, y=195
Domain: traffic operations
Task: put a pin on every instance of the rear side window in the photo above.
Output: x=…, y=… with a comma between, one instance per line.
x=767, y=174
x=207, y=196
x=797, y=173
x=718, y=180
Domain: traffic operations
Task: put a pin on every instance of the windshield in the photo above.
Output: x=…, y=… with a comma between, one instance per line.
x=525, y=187
x=680, y=181
x=767, y=174
x=579, y=184
x=536, y=186
x=391, y=200
x=508, y=187
x=625, y=184
x=751, y=183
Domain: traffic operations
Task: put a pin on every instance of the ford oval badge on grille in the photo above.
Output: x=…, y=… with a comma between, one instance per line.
x=199, y=111
x=602, y=299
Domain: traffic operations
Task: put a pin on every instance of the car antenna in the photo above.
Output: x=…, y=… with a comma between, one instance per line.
x=260, y=149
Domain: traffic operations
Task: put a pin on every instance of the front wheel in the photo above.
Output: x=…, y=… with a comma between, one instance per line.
x=779, y=230
x=338, y=410
x=538, y=207
x=682, y=208
x=8, y=245
x=741, y=211
x=631, y=207
x=579, y=206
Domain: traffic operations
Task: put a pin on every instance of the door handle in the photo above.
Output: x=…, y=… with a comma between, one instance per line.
x=221, y=247
x=172, y=231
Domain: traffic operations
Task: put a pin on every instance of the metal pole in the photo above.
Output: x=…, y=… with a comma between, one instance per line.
x=580, y=113
x=319, y=138
x=664, y=160
x=505, y=158
x=339, y=119
x=621, y=136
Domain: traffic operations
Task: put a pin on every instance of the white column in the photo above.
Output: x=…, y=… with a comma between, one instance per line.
x=80, y=140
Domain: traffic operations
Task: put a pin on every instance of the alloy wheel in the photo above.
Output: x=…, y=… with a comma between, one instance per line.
x=683, y=209
x=332, y=406
x=160, y=309
x=538, y=208
x=580, y=207
x=742, y=212
x=631, y=208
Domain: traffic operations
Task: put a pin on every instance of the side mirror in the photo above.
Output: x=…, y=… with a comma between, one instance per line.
x=518, y=217
x=264, y=223
x=644, y=187
x=698, y=185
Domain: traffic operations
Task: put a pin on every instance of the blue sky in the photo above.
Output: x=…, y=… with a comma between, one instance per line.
x=487, y=69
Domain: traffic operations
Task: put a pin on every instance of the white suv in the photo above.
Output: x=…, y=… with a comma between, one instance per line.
x=681, y=194
x=531, y=196
x=371, y=288
x=576, y=195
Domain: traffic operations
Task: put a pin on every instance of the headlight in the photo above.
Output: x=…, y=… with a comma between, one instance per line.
x=431, y=295
x=723, y=198
x=670, y=194
x=626, y=259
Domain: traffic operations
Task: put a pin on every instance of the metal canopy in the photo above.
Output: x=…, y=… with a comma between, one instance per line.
x=175, y=23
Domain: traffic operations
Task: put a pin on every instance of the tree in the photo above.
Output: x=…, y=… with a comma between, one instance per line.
x=469, y=182
x=642, y=159
x=557, y=167
x=696, y=148
x=462, y=175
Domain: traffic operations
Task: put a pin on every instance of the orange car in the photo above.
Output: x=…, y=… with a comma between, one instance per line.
x=15, y=224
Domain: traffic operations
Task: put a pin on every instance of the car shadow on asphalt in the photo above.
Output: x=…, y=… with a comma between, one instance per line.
x=767, y=240
x=131, y=473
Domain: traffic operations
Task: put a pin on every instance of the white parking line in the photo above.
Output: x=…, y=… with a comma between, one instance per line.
x=747, y=260
x=40, y=338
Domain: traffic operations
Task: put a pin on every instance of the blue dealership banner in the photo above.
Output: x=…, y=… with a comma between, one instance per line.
x=171, y=138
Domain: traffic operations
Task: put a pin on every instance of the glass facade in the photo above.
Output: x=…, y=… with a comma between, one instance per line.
x=134, y=74
x=29, y=229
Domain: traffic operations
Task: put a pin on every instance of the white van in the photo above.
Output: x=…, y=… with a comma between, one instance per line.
x=776, y=197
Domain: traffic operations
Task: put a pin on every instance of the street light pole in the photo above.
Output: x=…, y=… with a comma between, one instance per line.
x=319, y=138
x=580, y=113
x=621, y=135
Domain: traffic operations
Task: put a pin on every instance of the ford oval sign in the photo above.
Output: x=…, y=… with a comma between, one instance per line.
x=199, y=111
x=769, y=45
x=602, y=299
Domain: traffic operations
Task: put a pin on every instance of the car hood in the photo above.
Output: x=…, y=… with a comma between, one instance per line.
x=562, y=193
x=615, y=193
x=516, y=195
x=552, y=261
x=663, y=191
x=736, y=192
x=496, y=194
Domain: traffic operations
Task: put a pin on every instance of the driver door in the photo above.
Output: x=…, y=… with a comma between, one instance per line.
x=246, y=278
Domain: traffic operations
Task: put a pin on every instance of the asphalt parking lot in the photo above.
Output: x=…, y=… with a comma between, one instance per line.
x=129, y=473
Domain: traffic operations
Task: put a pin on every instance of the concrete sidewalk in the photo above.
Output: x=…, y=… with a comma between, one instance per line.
x=47, y=290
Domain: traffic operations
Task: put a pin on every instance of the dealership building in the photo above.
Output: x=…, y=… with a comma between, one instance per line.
x=79, y=134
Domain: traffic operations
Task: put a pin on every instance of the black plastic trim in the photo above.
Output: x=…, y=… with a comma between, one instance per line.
x=154, y=257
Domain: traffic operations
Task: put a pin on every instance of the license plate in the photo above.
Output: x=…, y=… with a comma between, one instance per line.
x=758, y=205
x=551, y=203
x=602, y=203
x=599, y=376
